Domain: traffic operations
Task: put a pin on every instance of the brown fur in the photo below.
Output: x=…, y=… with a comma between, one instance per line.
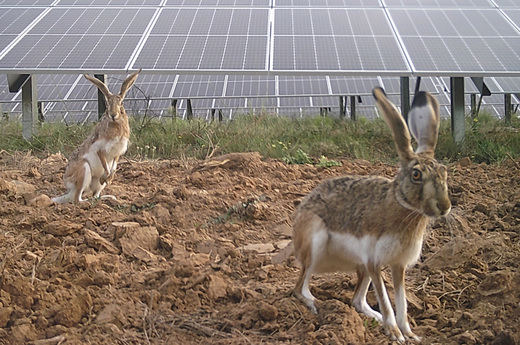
x=372, y=209
x=102, y=147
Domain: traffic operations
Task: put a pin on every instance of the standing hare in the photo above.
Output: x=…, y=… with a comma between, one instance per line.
x=363, y=223
x=94, y=162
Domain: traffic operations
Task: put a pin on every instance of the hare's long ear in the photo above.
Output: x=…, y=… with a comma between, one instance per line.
x=424, y=121
x=101, y=86
x=127, y=84
x=396, y=123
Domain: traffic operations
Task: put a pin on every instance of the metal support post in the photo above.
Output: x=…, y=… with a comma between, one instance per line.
x=473, y=100
x=405, y=97
x=174, y=108
x=220, y=116
x=101, y=98
x=353, y=108
x=29, y=107
x=189, y=110
x=508, y=107
x=458, y=125
x=213, y=114
x=341, y=107
x=41, y=119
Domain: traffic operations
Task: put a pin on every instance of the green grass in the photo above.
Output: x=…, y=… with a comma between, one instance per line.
x=319, y=140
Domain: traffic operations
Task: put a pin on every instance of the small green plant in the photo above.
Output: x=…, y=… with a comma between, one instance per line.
x=300, y=157
x=324, y=162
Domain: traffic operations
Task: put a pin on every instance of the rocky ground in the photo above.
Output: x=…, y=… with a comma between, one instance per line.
x=196, y=252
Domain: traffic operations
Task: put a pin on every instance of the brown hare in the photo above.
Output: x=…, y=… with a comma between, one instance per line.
x=94, y=162
x=363, y=223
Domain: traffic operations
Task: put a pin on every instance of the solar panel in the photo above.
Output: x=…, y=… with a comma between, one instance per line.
x=335, y=40
x=14, y=21
x=86, y=38
x=207, y=39
x=26, y=2
x=250, y=85
x=327, y=3
x=225, y=3
x=507, y=3
x=448, y=41
x=514, y=15
x=438, y=3
x=195, y=85
x=508, y=84
x=302, y=85
x=109, y=3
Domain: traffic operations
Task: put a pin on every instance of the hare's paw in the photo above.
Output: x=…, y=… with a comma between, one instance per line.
x=364, y=308
x=412, y=337
x=394, y=333
x=309, y=302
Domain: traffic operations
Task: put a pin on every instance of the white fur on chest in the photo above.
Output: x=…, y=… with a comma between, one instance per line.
x=345, y=251
x=112, y=149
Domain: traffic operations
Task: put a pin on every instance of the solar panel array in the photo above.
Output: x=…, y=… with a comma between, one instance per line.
x=267, y=54
x=71, y=98
x=369, y=37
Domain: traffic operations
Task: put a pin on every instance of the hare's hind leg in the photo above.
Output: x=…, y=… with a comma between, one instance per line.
x=83, y=179
x=302, y=292
x=360, y=295
x=400, y=303
x=309, y=252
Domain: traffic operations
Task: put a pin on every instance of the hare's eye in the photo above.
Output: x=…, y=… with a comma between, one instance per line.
x=416, y=175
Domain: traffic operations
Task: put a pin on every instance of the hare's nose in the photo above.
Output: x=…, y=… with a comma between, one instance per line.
x=444, y=206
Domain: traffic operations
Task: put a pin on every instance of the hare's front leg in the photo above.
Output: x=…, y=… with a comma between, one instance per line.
x=400, y=303
x=389, y=322
x=103, y=159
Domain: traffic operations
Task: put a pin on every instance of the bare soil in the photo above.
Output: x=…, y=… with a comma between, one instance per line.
x=195, y=252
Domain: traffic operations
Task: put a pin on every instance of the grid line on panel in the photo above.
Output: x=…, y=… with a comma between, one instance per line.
x=143, y=40
x=23, y=33
x=206, y=40
x=329, y=47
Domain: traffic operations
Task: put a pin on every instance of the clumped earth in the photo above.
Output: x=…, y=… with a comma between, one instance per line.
x=198, y=252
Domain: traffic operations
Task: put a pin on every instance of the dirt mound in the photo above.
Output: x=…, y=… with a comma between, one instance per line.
x=198, y=252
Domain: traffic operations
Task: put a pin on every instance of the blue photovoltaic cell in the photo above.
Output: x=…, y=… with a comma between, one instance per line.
x=328, y=3
x=13, y=21
x=105, y=3
x=514, y=15
x=438, y=3
x=509, y=84
x=26, y=2
x=214, y=3
x=353, y=85
x=250, y=85
x=335, y=39
x=507, y=3
x=441, y=40
x=207, y=39
x=302, y=85
x=72, y=38
x=199, y=86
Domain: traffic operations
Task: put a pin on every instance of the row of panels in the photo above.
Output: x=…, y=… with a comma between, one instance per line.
x=80, y=112
x=69, y=87
x=152, y=94
x=375, y=41
x=269, y=3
